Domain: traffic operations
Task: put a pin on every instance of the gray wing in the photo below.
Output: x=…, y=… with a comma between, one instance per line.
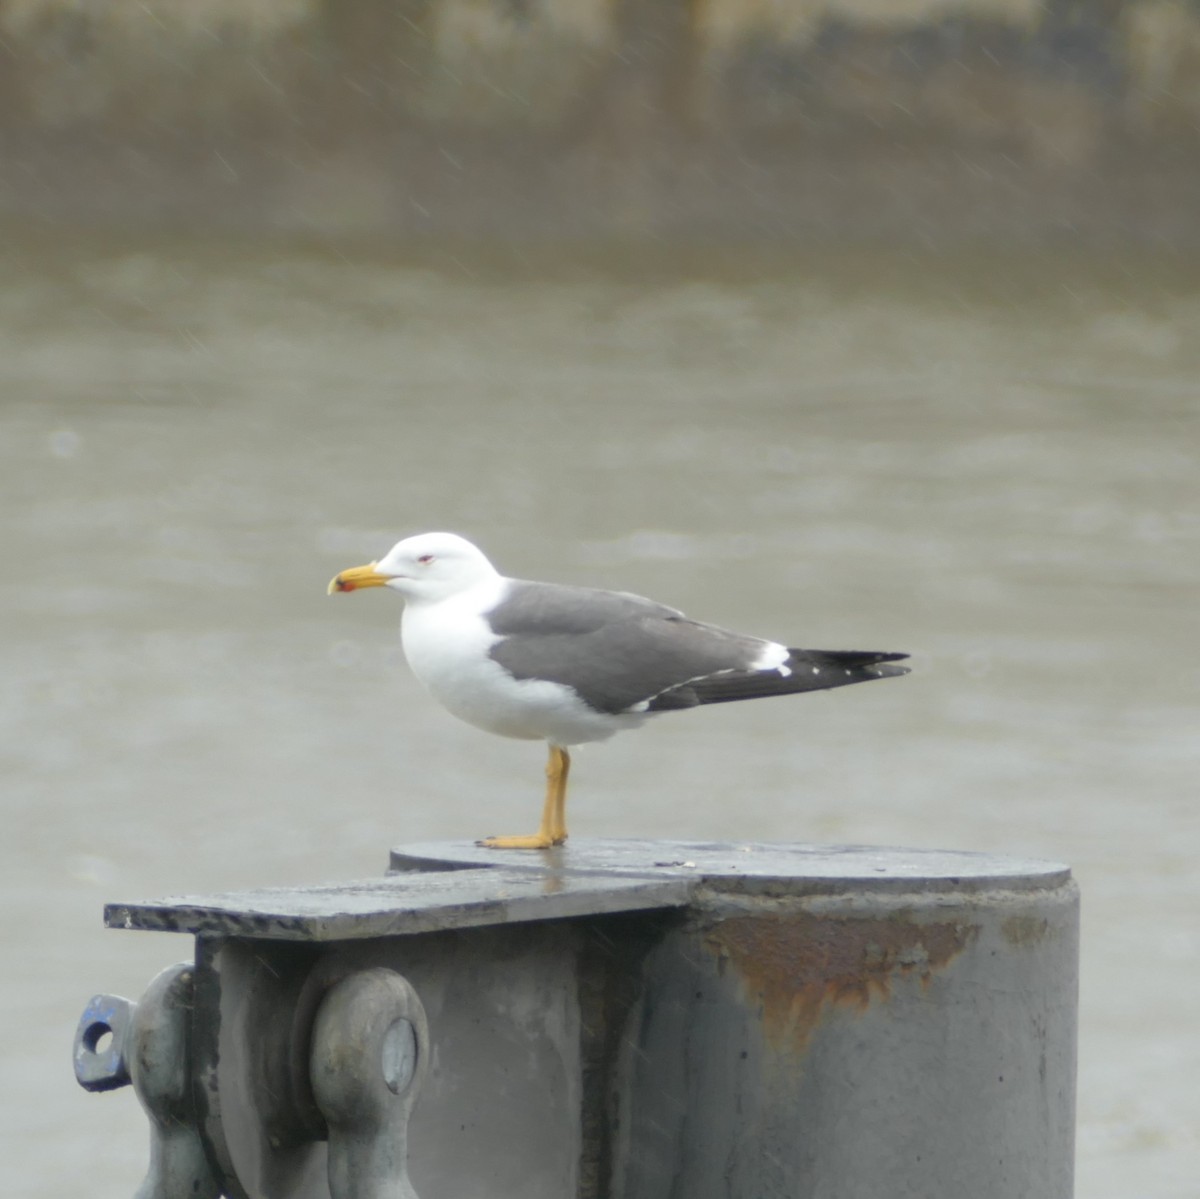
x=615, y=650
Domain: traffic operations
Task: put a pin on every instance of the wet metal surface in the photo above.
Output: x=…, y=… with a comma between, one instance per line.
x=750, y=867
x=398, y=906
x=432, y=890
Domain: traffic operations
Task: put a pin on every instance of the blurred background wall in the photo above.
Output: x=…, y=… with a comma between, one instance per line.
x=923, y=120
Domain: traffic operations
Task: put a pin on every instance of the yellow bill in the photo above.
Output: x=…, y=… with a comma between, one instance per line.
x=356, y=577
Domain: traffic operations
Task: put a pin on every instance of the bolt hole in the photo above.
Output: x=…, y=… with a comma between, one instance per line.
x=98, y=1038
x=399, y=1055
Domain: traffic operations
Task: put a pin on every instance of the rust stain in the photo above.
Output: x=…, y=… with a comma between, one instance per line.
x=1024, y=932
x=798, y=966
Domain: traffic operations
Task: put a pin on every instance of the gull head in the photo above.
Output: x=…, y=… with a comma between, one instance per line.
x=429, y=567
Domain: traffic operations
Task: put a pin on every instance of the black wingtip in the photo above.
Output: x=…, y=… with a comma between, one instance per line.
x=846, y=665
x=885, y=671
x=847, y=657
x=808, y=670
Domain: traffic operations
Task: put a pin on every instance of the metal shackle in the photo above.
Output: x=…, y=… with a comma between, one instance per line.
x=369, y=1058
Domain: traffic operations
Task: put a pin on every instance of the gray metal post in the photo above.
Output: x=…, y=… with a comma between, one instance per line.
x=901, y=1041
x=629, y=1020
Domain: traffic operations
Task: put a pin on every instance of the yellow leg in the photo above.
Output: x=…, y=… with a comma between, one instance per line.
x=553, y=830
x=557, y=770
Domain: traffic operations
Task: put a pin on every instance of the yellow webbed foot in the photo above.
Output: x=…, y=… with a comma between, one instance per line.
x=530, y=841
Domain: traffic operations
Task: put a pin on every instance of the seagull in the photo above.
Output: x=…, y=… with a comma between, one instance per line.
x=568, y=665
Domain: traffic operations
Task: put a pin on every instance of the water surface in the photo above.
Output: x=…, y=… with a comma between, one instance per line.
x=991, y=464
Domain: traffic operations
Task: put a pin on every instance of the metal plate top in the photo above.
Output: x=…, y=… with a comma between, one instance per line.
x=800, y=868
x=398, y=905
x=456, y=884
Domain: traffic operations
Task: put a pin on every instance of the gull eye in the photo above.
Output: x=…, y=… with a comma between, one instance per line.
x=425, y=559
